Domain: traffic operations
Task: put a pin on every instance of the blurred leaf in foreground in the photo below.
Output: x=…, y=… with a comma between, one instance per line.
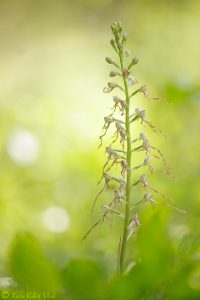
x=84, y=280
x=29, y=267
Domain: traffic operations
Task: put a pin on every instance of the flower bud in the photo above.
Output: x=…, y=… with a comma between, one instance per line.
x=124, y=37
x=119, y=26
x=113, y=28
x=135, y=60
x=112, y=42
x=112, y=74
x=109, y=60
x=119, y=45
x=127, y=52
x=112, y=85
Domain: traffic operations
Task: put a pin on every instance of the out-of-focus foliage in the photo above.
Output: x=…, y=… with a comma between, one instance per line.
x=29, y=267
x=52, y=73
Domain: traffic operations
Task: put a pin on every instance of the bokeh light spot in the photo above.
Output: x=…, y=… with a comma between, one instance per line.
x=56, y=219
x=23, y=147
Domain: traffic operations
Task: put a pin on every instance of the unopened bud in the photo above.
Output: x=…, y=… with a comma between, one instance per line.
x=113, y=27
x=119, y=26
x=119, y=45
x=124, y=37
x=112, y=42
x=135, y=60
x=109, y=60
x=112, y=74
x=127, y=52
x=112, y=85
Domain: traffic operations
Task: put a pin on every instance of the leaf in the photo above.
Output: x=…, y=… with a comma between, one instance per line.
x=29, y=267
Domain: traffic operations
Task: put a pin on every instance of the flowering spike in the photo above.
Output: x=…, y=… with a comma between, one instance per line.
x=121, y=157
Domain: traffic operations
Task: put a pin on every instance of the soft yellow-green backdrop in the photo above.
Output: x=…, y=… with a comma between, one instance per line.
x=52, y=74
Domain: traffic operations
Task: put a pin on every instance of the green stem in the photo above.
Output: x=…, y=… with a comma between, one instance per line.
x=128, y=179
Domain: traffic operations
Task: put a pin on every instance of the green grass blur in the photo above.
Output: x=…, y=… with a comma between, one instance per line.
x=52, y=73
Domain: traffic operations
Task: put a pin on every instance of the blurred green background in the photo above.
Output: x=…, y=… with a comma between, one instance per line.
x=52, y=73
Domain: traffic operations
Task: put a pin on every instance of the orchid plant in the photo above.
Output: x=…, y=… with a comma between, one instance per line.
x=122, y=203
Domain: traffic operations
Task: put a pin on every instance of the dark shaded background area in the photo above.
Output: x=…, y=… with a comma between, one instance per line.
x=52, y=73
